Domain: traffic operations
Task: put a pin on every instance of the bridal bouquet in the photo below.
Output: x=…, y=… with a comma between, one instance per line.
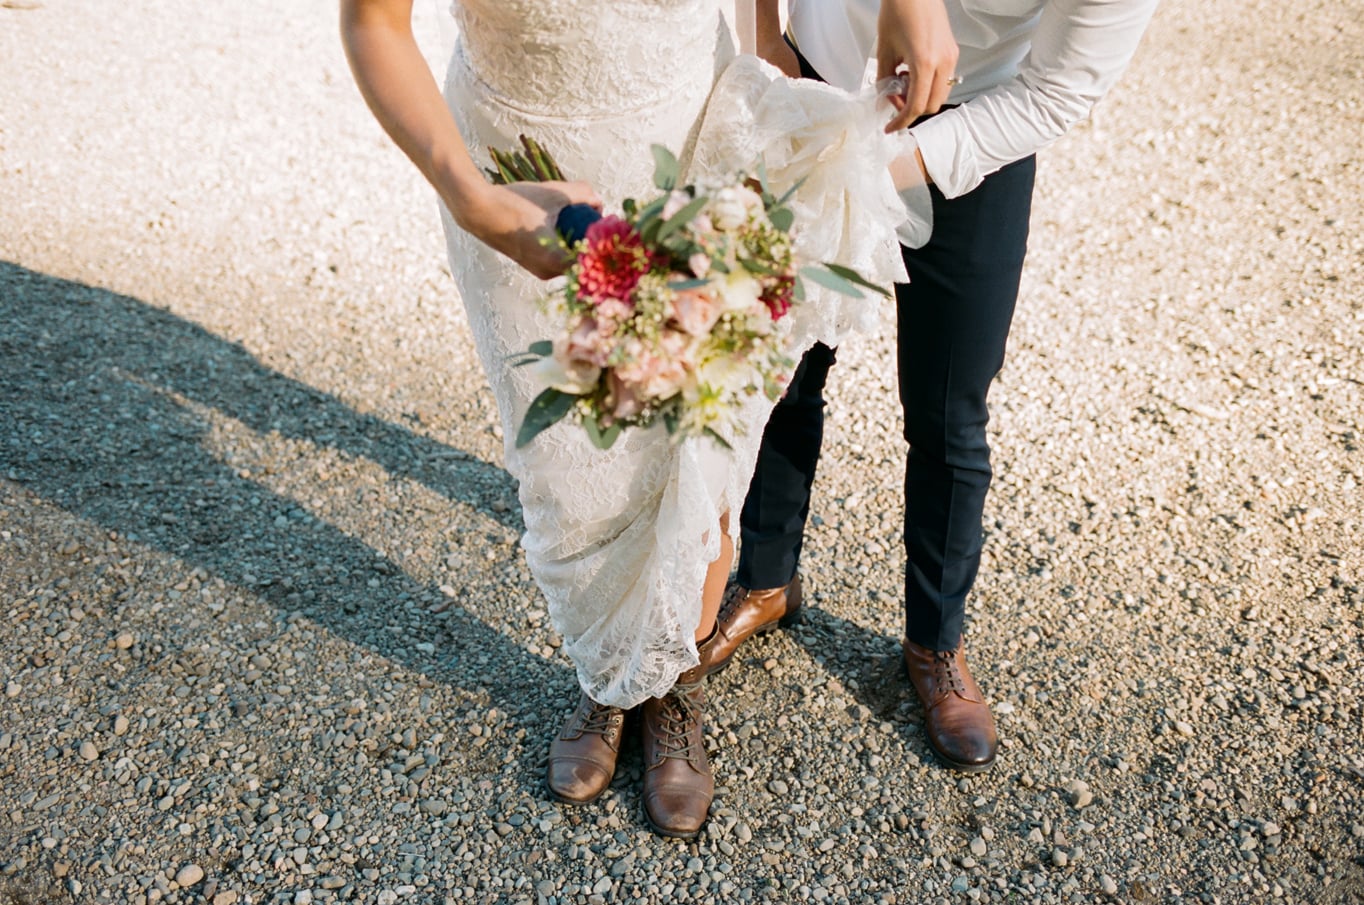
x=670, y=310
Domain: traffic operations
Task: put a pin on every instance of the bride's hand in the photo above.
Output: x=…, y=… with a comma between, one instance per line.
x=518, y=220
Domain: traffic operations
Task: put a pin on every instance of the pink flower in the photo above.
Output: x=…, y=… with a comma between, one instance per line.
x=612, y=260
x=621, y=399
x=658, y=373
x=589, y=343
x=695, y=310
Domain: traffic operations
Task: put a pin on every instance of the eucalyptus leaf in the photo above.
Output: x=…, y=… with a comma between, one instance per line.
x=681, y=285
x=830, y=280
x=782, y=218
x=666, y=168
x=853, y=276
x=542, y=347
x=602, y=439
x=762, y=178
x=545, y=410
x=681, y=218
x=709, y=432
x=791, y=191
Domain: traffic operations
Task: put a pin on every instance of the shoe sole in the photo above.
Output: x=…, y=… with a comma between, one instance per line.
x=671, y=834
x=790, y=619
x=564, y=799
x=958, y=765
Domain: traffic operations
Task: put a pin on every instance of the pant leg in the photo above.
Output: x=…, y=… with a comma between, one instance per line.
x=953, y=321
x=772, y=523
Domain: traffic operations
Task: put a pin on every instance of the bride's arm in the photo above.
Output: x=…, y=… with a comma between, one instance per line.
x=399, y=88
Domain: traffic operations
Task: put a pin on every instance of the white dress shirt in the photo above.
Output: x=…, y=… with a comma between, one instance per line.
x=1030, y=70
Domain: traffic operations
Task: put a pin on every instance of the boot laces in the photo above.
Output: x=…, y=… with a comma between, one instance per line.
x=600, y=719
x=675, y=719
x=730, y=604
x=946, y=674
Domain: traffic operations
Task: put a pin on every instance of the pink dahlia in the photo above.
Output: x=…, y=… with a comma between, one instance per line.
x=612, y=261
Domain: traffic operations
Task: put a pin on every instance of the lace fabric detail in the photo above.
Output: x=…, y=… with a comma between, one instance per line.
x=617, y=540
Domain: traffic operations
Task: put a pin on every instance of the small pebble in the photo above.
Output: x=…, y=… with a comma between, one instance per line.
x=188, y=875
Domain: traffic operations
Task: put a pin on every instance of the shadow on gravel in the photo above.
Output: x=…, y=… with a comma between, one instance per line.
x=869, y=666
x=89, y=421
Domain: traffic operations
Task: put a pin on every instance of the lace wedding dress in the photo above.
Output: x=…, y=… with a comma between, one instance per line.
x=619, y=540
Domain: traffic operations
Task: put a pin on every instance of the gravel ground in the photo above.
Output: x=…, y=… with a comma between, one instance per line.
x=270, y=638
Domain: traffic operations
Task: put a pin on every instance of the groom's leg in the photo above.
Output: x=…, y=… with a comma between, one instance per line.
x=772, y=524
x=953, y=322
x=766, y=592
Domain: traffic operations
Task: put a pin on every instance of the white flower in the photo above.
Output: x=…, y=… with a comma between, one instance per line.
x=729, y=208
x=575, y=377
x=739, y=291
x=727, y=374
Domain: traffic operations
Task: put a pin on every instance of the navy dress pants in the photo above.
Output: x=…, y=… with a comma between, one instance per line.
x=953, y=320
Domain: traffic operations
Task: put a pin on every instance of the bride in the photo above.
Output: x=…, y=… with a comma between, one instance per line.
x=631, y=546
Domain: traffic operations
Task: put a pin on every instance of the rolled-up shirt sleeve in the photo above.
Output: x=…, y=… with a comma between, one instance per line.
x=1078, y=51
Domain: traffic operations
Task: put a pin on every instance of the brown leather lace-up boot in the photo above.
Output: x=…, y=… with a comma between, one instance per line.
x=746, y=613
x=957, y=721
x=582, y=757
x=678, y=785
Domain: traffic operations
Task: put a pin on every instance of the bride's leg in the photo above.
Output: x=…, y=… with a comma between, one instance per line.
x=678, y=785
x=716, y=575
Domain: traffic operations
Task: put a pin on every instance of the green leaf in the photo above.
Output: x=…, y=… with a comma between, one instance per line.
x=542, y=348
x=791, y=191
x=709, y=432
x=762, y=178
x=853, y=276
x=602, y=439
x=546, y=410
x=798, y=291
x=830, y=280
x=757, y=268
x=681, y=218
x=666, y=168
x=782, y=218
x=671, y=420
x=680, y=285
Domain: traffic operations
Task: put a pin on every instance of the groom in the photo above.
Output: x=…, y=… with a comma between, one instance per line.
x=1025, y=71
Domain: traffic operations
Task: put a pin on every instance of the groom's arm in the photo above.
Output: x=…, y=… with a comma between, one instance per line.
x=772, y=47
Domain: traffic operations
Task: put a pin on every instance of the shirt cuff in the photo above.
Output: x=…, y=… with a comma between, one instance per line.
x=948, y=153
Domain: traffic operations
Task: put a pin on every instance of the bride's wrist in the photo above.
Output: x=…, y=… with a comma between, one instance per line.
x=469, y=201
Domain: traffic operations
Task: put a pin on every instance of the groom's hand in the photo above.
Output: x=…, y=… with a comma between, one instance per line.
x=914, y=39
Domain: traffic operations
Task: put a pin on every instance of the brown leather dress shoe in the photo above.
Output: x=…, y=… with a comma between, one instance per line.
x=678, y=785
x=582, y=757
x=957, y=721
x=746, y=613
